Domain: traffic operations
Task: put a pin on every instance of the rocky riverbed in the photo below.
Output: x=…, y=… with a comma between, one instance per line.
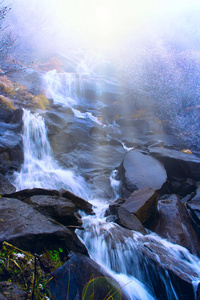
x=157, y=190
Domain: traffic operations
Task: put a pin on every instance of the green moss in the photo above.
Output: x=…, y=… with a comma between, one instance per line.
x=40, y=102
x=28, y=271
x=7, y=102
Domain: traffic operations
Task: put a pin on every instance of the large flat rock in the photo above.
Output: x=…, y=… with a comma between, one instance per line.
x=140, y=171
x=178, y=163
x=28, y=229
x=57, y=208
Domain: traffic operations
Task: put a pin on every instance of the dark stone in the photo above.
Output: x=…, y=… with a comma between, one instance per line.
x=17, y=118
x=139, y=171
x=129, y=220
x=173, y=223
x=113, y=208
x=82, y=275
x=60, y=209
x=142, y=203
x=178, y=163
x=27, y=193
x=5, y=114
x=6, y=186
x=12, y=291
x=187, y=189
x=175, y=187
x=11, y=147
x=78, y=201
x=29, y=230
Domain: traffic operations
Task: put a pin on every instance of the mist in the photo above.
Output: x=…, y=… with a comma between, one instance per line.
x=108, y=27
x=151, y=47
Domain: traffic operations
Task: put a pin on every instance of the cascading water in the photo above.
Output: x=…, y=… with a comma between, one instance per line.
x=141, y=264
x=39, y=168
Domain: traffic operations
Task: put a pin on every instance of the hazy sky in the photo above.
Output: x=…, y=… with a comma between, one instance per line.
x=102, y=24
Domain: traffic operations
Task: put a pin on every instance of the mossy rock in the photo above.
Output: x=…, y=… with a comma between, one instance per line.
x=7, y=102
x=6, y=85
x=40, y=102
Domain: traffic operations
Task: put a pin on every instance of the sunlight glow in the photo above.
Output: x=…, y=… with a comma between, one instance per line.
x=98, y=24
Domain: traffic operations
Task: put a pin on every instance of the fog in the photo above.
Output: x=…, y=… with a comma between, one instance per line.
x=106, y=26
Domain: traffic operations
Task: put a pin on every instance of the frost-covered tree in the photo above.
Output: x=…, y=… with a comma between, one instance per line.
x=6, y=39
x=168, y=81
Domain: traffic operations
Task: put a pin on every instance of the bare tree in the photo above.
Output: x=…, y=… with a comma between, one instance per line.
x=6, y=39
x=167, y=80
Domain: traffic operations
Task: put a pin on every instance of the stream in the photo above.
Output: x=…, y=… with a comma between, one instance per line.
x=128, y=256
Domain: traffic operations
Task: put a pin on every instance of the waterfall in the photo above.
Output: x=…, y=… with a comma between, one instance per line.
x=141, y=264
x=63, y=88
x=40, y=168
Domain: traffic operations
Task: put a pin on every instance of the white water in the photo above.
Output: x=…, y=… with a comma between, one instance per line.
x=125, y=254
x=39, y=168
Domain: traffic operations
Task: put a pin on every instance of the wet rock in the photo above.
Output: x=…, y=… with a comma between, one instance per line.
x=62, y=142
x=27, y=193
x=124, y=217
x=187, y=189
x=78, y=201
x=17, y=118
x=60, y=209
x=6, y=186
x=113, y=208
x=142, y=203
x=11, y=148
x=180, y=275
x=11, y=291
x=95, y=282
x=6, y=113
x=178, y=163
x=29, y=230
x=139, y=171
x=181, y=188
x=129, y=220
x=173, y=223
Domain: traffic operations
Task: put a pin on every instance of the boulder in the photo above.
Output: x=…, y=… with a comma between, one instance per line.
x=129, y=220
x=78, y=201
x=178, y=163
x=139, y=171
x=173, y=223
x=60, y=209
x=82, y=278
x=6, y=186
x=26, y=228
x=124, y=217
x=142, y=203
